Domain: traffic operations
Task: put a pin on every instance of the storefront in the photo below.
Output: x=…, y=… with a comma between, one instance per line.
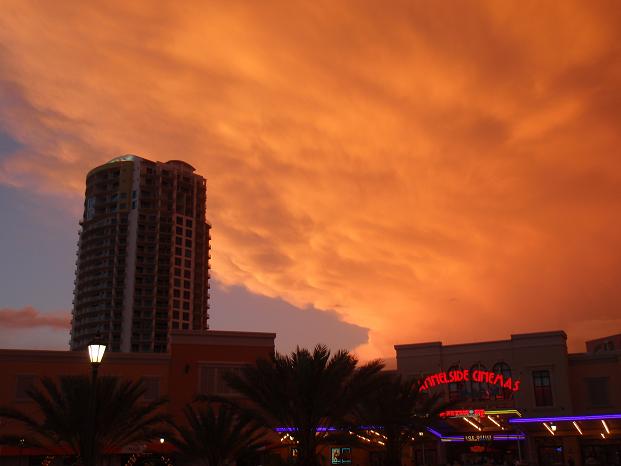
x=476, y=436
x=537, y=385
x=577, y=440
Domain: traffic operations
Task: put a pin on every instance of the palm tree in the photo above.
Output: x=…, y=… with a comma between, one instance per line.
x=216, y=436
x=401, y=410
x=67, y=420
x=305, y=392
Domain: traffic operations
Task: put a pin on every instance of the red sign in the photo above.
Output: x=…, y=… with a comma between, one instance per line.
x=463, y=413
x=464, y=375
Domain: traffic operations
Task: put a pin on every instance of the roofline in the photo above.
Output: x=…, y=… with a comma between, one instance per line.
x=221, y=338
x=69, y=355
x=516, y=336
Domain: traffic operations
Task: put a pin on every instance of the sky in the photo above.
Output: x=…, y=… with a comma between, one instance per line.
x=378, y=173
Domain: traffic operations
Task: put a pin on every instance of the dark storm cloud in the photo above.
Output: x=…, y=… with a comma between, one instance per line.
x=429, y=170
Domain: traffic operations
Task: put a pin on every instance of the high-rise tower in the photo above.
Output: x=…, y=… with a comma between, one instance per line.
x=143, y=255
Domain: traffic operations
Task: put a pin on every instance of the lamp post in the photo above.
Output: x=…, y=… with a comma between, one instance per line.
x=420, y=434
x=96, y=352
x=20, y=443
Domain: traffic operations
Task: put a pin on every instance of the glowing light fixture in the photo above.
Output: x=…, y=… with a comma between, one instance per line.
x=471, y=423
x=553, y=427
x=597, y=417
x=503, y=411
x=577, y=427
x=602, y=434
x=549, y=428
x=493, y=420
x=96, y=352
x=606, y=426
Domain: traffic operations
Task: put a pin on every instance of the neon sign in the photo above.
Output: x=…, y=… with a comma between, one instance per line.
x=465, y=375
x=463, y=413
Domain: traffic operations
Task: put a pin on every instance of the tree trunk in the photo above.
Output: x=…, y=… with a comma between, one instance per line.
x=393, y=447
x=307, y=446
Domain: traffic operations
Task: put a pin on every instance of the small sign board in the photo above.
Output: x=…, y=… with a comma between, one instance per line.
x=478, y=437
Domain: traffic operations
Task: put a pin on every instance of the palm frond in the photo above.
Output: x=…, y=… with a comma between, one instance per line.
x=71, y=417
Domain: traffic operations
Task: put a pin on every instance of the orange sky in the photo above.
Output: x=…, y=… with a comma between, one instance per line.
x=430, y=170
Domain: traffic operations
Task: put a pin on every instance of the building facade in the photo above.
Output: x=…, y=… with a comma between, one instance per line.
x=142, y=266
x=525, y=399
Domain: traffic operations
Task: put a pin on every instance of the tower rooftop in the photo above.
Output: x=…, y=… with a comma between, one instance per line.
x=125, y=158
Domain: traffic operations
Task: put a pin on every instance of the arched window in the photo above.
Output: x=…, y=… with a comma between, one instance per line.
x=455, y=389
x=478, y=388
x=505, y=370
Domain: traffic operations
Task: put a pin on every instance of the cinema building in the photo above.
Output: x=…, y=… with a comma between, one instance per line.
x=524, y=399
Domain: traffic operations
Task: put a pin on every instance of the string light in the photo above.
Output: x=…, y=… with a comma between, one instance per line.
x=288, y=437
x=360, y=437
x=378, y=434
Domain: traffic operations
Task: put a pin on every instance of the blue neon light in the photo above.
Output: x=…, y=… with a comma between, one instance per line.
x=597, y=417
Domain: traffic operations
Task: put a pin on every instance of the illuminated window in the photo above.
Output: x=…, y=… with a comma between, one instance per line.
x=543, y=388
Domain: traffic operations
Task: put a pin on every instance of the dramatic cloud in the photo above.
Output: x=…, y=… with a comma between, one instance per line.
x=427, y=170
x=29, y=317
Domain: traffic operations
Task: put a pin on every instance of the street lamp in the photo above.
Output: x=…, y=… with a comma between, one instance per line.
x=96, y=351
x=420, y=434
x=21, y=444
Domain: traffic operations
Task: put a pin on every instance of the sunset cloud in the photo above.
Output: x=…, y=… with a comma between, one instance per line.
x=28, y=318
x=428, y=171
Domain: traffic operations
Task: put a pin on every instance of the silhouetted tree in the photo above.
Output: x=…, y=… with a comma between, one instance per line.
x=68, y=419
x=400, y=410
x=305, y=391
x=216, y=436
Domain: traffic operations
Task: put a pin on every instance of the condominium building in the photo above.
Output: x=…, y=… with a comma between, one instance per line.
x=142, y=266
